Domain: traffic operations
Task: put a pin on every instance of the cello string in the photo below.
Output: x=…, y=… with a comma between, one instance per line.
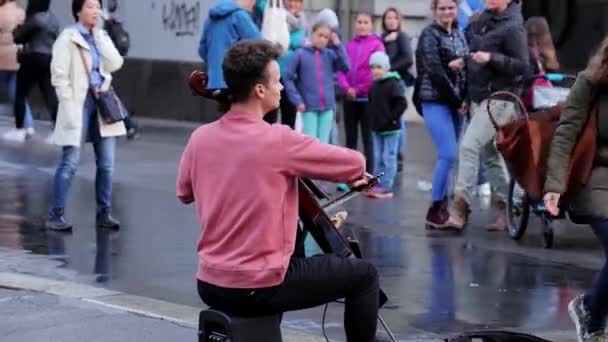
x=380, y=319
x=323, y=322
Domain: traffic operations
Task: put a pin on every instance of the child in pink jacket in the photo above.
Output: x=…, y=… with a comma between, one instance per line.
x=355, y=85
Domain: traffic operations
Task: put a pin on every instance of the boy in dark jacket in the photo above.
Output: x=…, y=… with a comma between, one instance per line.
x=386, y=105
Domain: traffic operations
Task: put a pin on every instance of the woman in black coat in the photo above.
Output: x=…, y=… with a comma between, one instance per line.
x=36, y=37
x=439, y=96
x=398, y=45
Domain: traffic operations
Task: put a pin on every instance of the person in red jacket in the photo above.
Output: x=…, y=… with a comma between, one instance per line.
x=242, y=174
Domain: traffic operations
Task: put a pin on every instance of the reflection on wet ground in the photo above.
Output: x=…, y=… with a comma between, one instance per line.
x=22, y=208
x=437, y=284
x=460, y=286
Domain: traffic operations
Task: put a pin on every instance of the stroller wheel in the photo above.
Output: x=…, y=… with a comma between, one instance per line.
x=518, y=211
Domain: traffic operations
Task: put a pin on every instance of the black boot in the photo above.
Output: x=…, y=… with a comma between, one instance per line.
x=105, y=220
x=133, y=131
x=56, y=221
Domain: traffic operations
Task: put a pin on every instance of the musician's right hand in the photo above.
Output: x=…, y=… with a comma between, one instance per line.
x=361, y=182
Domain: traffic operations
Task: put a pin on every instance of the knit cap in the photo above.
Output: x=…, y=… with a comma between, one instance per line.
x=328, y=17
x=380, y=59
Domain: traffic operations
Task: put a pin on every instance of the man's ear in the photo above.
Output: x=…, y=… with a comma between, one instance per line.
x=259, y=91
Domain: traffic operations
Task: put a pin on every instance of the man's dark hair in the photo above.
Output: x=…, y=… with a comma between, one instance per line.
x=77, y=7
x=319, y=25
x=245, y=66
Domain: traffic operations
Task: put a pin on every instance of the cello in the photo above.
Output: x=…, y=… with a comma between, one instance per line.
x=312, y=214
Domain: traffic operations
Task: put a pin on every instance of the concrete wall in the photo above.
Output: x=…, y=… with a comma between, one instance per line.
x=165, y=35
x=157, y=88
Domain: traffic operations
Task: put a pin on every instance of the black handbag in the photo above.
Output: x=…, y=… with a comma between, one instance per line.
x=110, y=107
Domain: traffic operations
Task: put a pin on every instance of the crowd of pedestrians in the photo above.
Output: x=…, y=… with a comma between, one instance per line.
x=458, y=67
x=459, y=63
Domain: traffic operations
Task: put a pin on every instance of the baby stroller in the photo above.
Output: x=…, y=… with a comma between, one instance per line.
x=546, y=98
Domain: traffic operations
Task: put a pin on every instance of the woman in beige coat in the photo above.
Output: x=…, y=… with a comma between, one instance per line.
x=78, y=120
x=11, y=16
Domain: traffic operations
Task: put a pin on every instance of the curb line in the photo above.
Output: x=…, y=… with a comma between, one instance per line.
x=186, y=316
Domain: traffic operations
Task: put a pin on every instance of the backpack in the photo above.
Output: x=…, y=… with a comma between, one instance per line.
x=120, y=37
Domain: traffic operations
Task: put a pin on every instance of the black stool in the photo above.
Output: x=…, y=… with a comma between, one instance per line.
x=218, y=326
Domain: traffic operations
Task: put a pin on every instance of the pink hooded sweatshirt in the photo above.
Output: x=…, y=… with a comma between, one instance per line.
x=360, y=77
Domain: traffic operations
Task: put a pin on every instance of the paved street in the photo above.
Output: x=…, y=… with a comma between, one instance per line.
x=439, y=284
x=31, y=316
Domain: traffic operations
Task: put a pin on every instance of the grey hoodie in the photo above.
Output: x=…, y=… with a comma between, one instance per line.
x=296, y=22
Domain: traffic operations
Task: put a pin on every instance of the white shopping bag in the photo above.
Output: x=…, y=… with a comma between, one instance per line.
x=274, y=25
x=546, y=97
x=298, y=125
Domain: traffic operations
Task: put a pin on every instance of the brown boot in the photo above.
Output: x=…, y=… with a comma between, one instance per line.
x=501, y=218
x=444, y=208
x=459, y=213
x=437, y=215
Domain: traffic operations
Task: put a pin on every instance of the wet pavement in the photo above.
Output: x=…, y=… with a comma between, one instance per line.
x=34, y=316
x=438, y=283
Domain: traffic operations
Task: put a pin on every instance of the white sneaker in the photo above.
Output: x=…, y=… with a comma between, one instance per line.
x=485, y=190
x=30, y=131
x=15, y=135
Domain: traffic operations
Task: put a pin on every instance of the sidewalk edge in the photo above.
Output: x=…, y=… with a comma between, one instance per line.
x=183, y=315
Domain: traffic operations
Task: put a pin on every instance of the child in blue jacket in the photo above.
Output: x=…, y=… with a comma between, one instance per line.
x=310, y=83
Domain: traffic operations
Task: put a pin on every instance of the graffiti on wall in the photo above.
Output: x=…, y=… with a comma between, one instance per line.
x=181, y=18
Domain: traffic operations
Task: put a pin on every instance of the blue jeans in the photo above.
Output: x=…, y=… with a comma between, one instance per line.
x=70, y=157
x=385, y=157
x=9, y=78
x=402, y=136
x=443, y=127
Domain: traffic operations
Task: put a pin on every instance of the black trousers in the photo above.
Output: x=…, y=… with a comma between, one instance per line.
x=310, y=282
x=355, y=115
x=35, y=69
x=288, y=111
x=130, y=123
x=596, y=300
